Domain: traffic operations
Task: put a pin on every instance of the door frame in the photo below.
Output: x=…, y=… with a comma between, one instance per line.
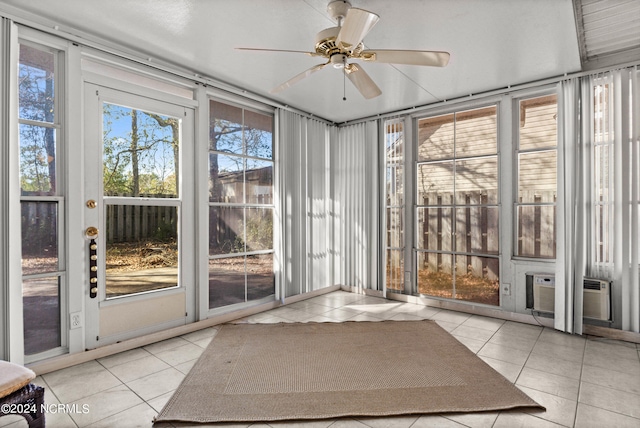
x=96, y=308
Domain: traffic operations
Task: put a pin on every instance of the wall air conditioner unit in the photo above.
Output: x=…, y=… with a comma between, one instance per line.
x=544, y=292
x=596, y=303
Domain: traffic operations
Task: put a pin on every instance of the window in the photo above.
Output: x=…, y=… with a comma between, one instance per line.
x=142, y=199
x=457, y=214
x=241, y=206
x=394, y=178
x=42, y=198
x=535, y=206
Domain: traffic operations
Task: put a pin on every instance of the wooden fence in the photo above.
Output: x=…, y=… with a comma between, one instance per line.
x=134, y=223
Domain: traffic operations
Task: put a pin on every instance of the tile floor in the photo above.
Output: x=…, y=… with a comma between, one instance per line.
x=582, y=382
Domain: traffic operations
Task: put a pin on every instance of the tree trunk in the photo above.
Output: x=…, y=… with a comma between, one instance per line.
x=134, y=154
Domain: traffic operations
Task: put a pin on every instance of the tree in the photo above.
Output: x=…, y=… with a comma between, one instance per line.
x=37, y=137
x=140, y=152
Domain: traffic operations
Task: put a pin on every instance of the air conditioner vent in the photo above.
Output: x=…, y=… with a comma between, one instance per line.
x=597, y=299
x=593, y=284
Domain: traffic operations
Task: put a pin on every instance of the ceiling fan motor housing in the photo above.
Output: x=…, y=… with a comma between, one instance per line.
x=327, y=47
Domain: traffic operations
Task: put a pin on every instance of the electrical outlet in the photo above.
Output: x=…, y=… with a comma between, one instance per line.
x=76, y=320
x=506, y=288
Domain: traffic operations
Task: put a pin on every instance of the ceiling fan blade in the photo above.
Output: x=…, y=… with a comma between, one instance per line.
x=362, y=81
x=429, y=58
x=356, y=25
x=295, y=79
x=278, y=50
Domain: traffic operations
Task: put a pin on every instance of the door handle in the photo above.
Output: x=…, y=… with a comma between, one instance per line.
x=91, y=232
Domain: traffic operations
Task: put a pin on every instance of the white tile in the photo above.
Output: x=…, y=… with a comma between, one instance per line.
x=347, y=423
x=550, y=383
x=297, y=316
x=310, y=307
x=504, y=353
x=104, y=404
x=446, y=325
x=80, y=381
x=593, y=417
x=556, y=366
x=203, y=343
x=186, y=366
x=613, y=357
x=380, y=310
x=325, y=423
x=13, y=421
x=157, y=384
x=321, y=318
x=472, y=332
x=558, y=351
x=164, y=345
x=140, y=416
x=559, y=410
x=614, y=400
x=340, y=314
x=611, y=379
x=474, y=420
x=428, y=421
x=522, y=420
x=389, y=422
x=123, y=357
x=180, y=354
x=366, y=317
x=159, y=402
x=287, y=313
x=273, y=320
x=559, y=338
x=474, y=345
x=511, y=340
x=138, y=368
x=508, y=370
x=451, y=317
x=405, y=317
x=526, y=331
x=486, y=323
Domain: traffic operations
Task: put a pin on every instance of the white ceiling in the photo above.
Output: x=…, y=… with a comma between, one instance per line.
x=493, y=44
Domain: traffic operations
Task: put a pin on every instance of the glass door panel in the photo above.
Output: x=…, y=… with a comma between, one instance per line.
x=141, y=155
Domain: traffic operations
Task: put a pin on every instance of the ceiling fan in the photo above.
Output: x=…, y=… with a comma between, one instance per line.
x=344, y=42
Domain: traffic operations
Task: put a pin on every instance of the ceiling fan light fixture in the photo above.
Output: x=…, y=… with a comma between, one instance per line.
x=338, y=60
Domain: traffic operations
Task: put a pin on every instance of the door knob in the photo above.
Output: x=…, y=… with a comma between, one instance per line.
x=91, y=232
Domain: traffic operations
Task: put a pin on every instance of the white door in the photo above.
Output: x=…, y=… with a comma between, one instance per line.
x=139, y=219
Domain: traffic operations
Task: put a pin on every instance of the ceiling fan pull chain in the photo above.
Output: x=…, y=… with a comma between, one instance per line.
x=344, y=80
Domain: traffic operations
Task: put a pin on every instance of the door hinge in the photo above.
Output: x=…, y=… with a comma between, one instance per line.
x=97, y=338
x=96, y=92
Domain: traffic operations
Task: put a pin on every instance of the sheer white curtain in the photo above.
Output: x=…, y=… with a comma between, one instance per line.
x=611, y=116
x=11, y=343
x=573, y=164
x=304, y=201
x=355, y=169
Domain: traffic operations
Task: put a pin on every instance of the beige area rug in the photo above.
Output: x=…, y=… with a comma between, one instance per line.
x=268, y=372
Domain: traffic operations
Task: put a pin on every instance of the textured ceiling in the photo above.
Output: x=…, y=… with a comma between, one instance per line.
x=493, y=44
